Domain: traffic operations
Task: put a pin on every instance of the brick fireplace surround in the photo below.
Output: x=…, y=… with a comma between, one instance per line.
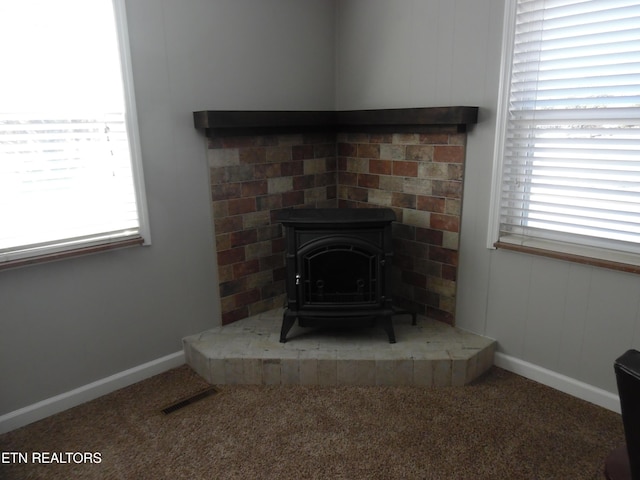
x=412, y=163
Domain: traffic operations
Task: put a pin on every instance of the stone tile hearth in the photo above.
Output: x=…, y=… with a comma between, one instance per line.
x=248, y=351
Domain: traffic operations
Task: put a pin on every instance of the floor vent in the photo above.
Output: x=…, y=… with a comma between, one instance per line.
x=189, y=400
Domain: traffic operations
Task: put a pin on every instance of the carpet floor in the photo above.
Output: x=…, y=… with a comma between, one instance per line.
x=500, y=427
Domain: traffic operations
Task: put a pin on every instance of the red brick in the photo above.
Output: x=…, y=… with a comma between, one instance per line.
x=429, y=236
x=368, y=181
x=405, y=169
x=348, y=178
x=431, y=204
x=443, y=255
x=449, y=272
x=233, y=255
x=253, y=189
x=244, y=237
x=448, y=153
x=449, y=223
x=380, y=167
x=293, y=198
x=303, y=182
x=239, y=206
x=245, y=268
x=347, y=150
x=246, y=298
x=367, y=150
x=291, y=169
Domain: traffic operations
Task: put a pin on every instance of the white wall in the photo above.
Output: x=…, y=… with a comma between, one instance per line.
x=569, y=319
x=67, y=324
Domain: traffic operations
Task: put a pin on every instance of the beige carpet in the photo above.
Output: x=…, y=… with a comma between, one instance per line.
x=501, y=427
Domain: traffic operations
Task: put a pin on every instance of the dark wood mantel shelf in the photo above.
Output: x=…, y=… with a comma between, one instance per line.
x=246, y=122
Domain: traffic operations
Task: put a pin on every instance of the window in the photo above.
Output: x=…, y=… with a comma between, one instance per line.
x=70, y=167
x=567, y=175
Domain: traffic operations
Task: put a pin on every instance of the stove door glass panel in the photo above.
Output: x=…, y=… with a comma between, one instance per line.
x=336, y=274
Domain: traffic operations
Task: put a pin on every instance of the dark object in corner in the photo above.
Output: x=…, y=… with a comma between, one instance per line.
x=624, y=462
x=338, y=267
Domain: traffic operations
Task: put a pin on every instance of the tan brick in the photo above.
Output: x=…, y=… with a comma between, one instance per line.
x=380, y=197
x=420, y=153
x=391, y=184
x=406, y=138
x=392, y=152
x=417, y=218
x=417, y=186
x=280, y=185
x=453, y=206
x=431, y=170
x=252, y=155
x=278, y=154
x=358, y=165
x=314, y=166
x=223, y=157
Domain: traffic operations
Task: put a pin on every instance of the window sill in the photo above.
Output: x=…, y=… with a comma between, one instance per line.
x=596, y=257
x=76, y=252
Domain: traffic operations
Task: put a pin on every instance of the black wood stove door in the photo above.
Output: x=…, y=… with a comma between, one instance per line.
x=337, y=271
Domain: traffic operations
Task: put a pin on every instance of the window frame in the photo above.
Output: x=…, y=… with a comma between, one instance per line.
x=600, y=256
x=65, y=248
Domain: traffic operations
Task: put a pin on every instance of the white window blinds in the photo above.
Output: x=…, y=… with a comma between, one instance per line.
x=570, y=139
x=70, y=173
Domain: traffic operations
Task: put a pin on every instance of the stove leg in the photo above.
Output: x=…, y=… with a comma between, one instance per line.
x=387, y=325
x=287, y=322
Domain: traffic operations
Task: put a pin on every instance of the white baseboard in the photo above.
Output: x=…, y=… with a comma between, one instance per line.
x=565, y=384
x=37, y=411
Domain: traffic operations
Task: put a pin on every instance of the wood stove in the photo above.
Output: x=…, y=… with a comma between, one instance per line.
x=338, y=268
